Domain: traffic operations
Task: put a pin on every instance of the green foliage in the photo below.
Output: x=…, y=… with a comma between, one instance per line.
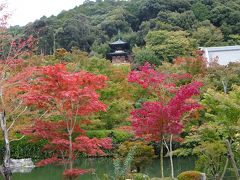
x=25, y=149
x=140, y=176
x=100, y=49
x=122, y=169
x=92, y=25
x=141, y=56
x=220, y=121
x=143, y=153
x=168, y=45
x=212, y=36
x=212, y=157
x=117, y=113
x=190, y=175
x=178, y=21
x=217, y=75
x=223, y=108
x=117, y=136
x=201, y=11
x=234, y=38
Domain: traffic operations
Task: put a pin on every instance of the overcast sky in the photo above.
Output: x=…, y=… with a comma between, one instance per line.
x=25, y=11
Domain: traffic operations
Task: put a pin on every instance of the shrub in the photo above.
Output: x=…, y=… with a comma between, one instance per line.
x=143, y=153
x=117, y=136
x=190, y=175
x=24, y=149
x=140, y=176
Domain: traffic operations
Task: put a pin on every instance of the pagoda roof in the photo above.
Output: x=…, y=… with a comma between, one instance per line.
x=116, y=53
x=118, y=42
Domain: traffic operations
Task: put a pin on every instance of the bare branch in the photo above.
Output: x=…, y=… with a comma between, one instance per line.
x=14, y=119
x=1, y=96
x=19, y=105
x=17, y=139
x=43, y=114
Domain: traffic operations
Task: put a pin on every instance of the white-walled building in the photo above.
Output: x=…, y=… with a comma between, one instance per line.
x=224, y=54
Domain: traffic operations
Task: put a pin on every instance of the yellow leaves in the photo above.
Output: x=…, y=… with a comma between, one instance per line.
x=61, y=53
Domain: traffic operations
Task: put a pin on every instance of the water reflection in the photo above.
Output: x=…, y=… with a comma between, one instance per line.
x=103, y=166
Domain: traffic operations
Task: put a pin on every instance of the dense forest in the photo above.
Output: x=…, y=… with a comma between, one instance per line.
x=92, y=25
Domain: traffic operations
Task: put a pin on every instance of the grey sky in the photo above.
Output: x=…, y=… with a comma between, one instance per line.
x=25, y=11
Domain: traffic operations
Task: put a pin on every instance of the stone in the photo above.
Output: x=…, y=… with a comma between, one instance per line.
x=21, y=165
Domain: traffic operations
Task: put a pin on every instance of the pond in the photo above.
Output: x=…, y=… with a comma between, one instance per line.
x=103, y=166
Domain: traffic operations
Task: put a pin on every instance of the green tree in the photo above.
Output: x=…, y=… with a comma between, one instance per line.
x=212, y=156
x=168, y=45
x=208, y=36
x=143, y=55
x=222, y=78
x=201, y=11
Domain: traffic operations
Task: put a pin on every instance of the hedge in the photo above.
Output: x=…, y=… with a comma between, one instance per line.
x=25, y=149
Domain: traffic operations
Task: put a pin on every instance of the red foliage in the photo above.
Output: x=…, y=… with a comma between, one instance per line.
x=194, y=65
x=147, y=77
x=93, y=146
x=125, y=128
x=46, y=130
x=155, y=119
x=72, y=94
x=154, y=81
x=56, y=135
x=48, y=161
x=53, y=88
x=74, y=173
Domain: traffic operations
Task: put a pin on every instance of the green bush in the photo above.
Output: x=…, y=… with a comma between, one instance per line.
x=24, y=149
x=117, y=136
x=144, y=153
x=140, y=176
x=190, y=175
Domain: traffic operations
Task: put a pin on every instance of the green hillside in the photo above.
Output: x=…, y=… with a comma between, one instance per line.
x=92, y=25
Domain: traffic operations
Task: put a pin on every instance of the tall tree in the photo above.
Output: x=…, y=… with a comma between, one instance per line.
x=73, y=96
x=155, y=120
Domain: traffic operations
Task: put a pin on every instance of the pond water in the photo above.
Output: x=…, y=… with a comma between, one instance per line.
x=103, y=166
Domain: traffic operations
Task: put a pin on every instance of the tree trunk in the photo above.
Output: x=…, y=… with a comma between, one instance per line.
x=225, y=169
x=70, y=152
x=161, y=160
x=231, y=156
x=170, y=155
x=6, y=161
x=224, y=87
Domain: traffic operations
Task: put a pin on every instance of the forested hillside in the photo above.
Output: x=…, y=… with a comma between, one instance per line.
x=92, y=25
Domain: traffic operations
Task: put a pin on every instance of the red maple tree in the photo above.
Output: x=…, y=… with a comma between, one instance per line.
x=160, y=118
x=13, y=71
x=70, y=95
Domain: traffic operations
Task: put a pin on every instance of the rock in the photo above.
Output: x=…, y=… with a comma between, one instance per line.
x=203, y=176
x=21, y=165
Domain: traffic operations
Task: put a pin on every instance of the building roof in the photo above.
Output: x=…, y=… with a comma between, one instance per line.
x=119, y=41
x=221, y=48
x=223, y=54
x=119, y=45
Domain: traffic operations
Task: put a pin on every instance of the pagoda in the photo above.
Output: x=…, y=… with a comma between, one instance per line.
x=119, y=52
